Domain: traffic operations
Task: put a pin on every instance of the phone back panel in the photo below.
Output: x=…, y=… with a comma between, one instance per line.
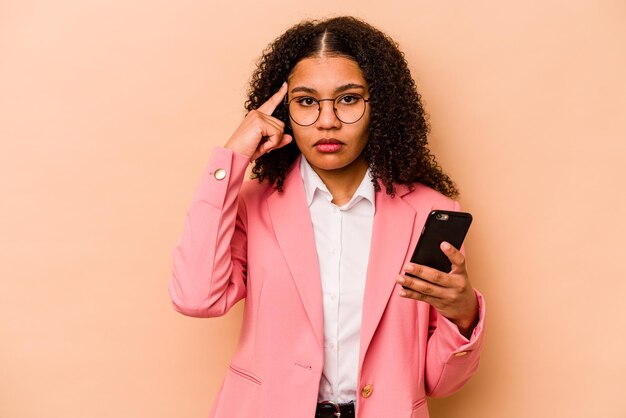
x=441, y=226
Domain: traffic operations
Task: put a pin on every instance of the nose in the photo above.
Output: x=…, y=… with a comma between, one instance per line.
x=327, y=118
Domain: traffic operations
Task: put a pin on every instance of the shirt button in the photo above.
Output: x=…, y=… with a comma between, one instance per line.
x=219, y=174
x=366, y=391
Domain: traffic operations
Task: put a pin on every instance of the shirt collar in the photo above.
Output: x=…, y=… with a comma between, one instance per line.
x=313, y=183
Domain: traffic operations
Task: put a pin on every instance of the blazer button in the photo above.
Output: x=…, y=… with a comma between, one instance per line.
x=460, y=354
x=366, y=391
x=219, y=174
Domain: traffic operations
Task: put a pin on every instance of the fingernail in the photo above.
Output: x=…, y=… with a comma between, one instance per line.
x=445, y=246
x=408, y=267
x=401, y=280
x=402, y=293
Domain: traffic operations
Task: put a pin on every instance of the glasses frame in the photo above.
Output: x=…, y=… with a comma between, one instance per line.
x=319, y=107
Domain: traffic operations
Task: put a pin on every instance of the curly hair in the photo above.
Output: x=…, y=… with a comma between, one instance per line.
x=397, y=148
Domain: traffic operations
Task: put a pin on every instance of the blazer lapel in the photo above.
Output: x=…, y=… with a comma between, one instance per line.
x=392, y=234
x=292, y=224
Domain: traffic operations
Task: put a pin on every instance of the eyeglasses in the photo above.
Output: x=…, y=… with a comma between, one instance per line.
x=305, y=110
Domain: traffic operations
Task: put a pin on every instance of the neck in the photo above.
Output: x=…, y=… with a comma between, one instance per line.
x=343, y=182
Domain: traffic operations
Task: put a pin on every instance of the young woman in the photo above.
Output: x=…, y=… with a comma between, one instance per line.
x=319, y=241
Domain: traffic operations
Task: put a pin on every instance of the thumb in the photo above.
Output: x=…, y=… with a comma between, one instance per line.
x=286, y=140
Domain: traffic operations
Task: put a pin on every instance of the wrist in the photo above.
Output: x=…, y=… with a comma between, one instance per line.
x=467, y=324
x=466, y=328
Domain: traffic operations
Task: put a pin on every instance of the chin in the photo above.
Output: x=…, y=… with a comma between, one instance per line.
x=329, y=162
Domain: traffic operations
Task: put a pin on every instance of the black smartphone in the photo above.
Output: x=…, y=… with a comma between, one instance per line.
x=441, y=225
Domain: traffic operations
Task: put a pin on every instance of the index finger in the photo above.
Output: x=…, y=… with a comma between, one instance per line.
x=272, y=103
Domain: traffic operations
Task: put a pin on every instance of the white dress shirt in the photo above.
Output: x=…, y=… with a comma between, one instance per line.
x=342, y=238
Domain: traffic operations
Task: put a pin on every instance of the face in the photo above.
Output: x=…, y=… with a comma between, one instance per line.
x=330, y=145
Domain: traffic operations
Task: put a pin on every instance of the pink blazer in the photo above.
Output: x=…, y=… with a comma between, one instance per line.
x=244, y=239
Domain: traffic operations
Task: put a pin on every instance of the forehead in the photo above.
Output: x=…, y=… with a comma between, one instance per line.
x=325, y=73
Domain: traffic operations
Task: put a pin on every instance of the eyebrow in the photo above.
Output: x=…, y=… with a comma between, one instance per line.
x=339, y=89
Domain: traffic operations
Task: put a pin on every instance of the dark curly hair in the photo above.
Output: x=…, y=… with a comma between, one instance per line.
x=397, y=149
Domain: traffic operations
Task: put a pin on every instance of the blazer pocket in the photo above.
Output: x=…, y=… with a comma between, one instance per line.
x=418, y=404
x=245, y=374
x=240, y=395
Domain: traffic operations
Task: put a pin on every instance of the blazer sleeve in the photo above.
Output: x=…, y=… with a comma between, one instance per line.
x=451, y=358
x=209, y=259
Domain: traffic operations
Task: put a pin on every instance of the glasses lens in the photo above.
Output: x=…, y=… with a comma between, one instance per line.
x=349, y=108
x=304, y=110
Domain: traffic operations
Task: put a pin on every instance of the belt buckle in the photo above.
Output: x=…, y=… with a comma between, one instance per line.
x=337, y=412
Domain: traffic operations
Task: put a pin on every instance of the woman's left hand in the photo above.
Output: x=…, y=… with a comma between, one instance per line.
x=450, y=293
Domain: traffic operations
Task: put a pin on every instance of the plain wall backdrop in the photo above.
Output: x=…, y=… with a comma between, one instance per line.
x=108, y=114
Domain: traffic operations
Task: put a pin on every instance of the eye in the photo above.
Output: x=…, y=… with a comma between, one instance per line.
x=349, y=99
x=305, y=101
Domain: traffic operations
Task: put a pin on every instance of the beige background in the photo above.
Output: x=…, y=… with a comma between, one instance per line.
x=109, y=111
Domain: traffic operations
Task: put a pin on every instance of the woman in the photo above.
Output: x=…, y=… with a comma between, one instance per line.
x=319, y=243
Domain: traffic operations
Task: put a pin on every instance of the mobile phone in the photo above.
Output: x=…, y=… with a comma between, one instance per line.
x=441, y=225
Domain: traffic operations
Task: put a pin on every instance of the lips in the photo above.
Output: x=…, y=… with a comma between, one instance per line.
x=328, y=145
x=328, y=141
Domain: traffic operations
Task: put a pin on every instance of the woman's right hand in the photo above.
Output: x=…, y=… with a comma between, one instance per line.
x=259, y=132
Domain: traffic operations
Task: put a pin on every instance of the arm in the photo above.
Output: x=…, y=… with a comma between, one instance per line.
x=451, y=358
x=209, y=260
x=456, y=320
x=209, y=274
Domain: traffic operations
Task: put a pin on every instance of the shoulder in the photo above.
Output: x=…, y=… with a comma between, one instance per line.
x=423, y=195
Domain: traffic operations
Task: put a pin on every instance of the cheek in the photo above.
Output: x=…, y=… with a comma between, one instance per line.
x=298, y=135
x=364, y=135
x=302, y=138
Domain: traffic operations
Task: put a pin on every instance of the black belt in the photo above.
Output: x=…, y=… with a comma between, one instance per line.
x=328, y=409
